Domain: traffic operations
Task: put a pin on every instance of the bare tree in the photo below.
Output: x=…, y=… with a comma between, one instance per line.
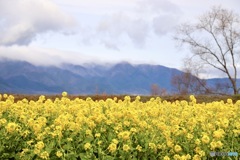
x=157, y=91
x=186, y=83
x=181, y=83
x=189, y=82
x=215, y=41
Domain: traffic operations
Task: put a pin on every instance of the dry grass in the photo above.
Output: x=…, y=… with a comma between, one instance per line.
x=170, y=98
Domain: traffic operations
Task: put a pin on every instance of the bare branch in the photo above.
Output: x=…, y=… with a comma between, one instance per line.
x=215, y=40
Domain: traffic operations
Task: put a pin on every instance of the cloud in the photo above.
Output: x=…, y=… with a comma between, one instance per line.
x=133, y=25
x=164, y=24
x=163, y=14
x=157, y=7
x=120, y=24
x=43, y=56
x=22, y=20
x=110, y=45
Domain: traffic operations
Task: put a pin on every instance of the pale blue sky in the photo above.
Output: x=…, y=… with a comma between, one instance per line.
x=75, y=31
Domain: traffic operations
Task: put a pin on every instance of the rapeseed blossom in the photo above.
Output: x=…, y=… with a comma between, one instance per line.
x=64, y=94
x=216, y=144
x=112, y=147
x=125, y=135
x=87, y=146
x=139, y=148
x=177, y=148
x=11, y=127
x=114, y=128
x=3, y=121
x=40, y=145
x=44, y=155
x=115, y=141
x=218, y=133
x=166, y=158
x=205, y=139
x=59, y=154
x=97, y=135
x=126, y=148
x=152, y=146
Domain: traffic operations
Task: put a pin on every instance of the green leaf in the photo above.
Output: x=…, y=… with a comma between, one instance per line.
x=107, y=157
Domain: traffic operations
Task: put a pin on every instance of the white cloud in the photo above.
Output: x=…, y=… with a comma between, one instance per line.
x=111, y=45
x=163, y=15
x=43, y=56
x=164, y=24
x=120, y=24
x=157, y=7
x=22, y=20
x=132, y=24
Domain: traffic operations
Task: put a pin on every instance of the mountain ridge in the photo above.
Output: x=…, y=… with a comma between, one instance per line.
x=120, y=78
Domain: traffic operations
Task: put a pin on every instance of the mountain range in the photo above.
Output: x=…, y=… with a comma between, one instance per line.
x=121, y=78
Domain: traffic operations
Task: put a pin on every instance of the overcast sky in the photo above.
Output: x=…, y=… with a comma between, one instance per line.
x=75, y=31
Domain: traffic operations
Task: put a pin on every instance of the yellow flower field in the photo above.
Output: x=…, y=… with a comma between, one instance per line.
x=117, y=129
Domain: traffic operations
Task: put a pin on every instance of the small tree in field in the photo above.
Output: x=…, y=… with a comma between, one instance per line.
x=157, y=91
x=215, y=41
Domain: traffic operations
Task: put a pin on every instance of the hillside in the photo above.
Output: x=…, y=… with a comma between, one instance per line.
x=121, y=78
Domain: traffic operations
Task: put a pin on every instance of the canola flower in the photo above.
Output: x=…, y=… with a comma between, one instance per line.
x=44, y=155
x=112, y=147
x=177, y=148
x=126, y=148
x=205, y=139
x=11, y=127
x=87, y=146
x=126, y=129
x=59, y=154
x=40, y=145
x=139, y=148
